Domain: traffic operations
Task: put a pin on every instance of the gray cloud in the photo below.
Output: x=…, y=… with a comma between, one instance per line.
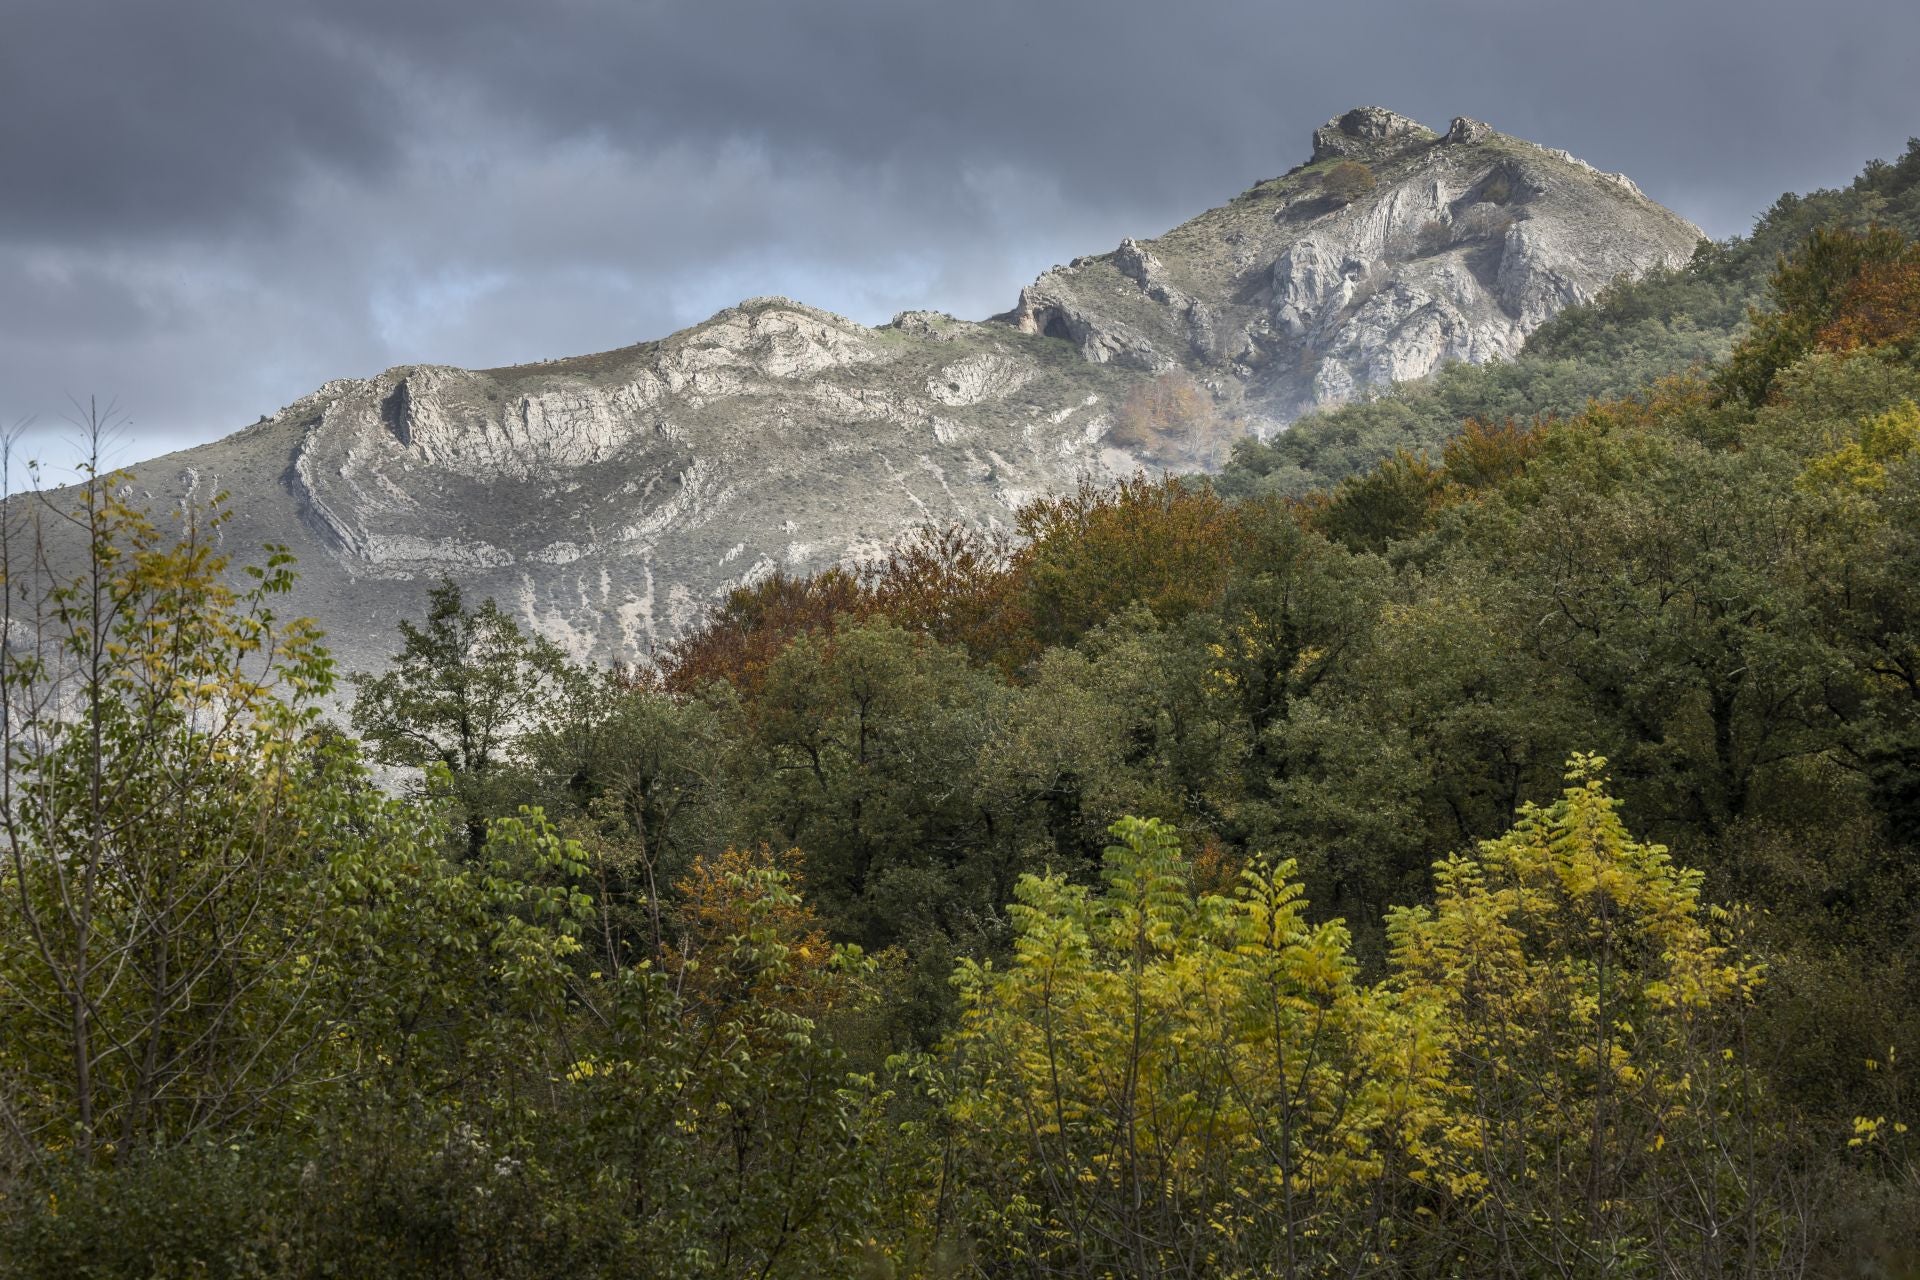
x=213, y=205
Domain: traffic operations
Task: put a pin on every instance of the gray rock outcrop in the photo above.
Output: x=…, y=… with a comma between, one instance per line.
x=1365, y=131
x=1290, y=298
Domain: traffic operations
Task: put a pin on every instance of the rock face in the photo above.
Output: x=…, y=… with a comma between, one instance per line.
x=1298, y=294
x=1365, y=132
x=609, y=499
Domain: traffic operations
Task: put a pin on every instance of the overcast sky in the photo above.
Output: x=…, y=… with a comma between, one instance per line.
x=209, y=207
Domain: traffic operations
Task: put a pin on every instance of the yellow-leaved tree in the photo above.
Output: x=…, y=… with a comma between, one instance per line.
x=1166, y=1083
x=1602, y=1115
x=166, y=799
x=1551, y=1080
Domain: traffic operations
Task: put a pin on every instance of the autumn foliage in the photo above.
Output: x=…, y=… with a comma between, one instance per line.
x=1348, y=181
x=1171, y=421
x=745, y=634
x=1879, y=307
x=747, y=933
x=1839, y=277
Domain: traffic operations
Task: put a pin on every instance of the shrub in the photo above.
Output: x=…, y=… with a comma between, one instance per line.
x=1348, y=181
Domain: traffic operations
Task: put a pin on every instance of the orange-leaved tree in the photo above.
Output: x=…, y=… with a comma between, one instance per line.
x=1091, y=553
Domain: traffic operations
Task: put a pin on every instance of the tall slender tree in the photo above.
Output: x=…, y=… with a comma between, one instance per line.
x=464, y=688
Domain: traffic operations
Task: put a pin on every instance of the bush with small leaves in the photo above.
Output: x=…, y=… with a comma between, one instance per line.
x=1348, y=181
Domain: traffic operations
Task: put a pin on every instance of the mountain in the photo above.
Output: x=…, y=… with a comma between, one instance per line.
x=607, y=500
x=1636, y=332
x=1290, y=299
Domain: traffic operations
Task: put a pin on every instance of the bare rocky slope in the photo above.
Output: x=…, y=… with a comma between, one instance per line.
x=608, y=499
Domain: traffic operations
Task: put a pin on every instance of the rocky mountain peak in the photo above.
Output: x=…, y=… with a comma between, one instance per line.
x=1309, y=287
x=1467, y=129
x=1366, y=131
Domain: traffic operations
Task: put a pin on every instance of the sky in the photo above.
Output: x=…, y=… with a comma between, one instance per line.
x=210, y=207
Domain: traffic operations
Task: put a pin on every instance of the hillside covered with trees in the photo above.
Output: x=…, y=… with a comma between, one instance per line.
x=1479, y=836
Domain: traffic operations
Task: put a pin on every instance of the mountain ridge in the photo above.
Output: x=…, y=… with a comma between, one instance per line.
x=609, y=499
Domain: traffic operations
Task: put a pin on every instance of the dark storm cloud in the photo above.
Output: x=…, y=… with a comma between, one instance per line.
x=213, y=205
x=126, y=117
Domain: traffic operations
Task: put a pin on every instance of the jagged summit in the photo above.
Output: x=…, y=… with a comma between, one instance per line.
x=1467, y=129
x=608, y=499
x=1393, y=250
x=1366, y=131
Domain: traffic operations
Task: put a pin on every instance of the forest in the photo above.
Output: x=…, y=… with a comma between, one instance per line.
x=1475, y=834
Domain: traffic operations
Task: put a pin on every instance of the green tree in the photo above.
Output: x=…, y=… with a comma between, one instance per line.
x=1135, y=719
x=643, y=774
x=171, y=822
x=461, y=692
x=1431, y=734
x=861, y=749
x=716, y=1110
x=1295, y=611
x=1390, y=503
